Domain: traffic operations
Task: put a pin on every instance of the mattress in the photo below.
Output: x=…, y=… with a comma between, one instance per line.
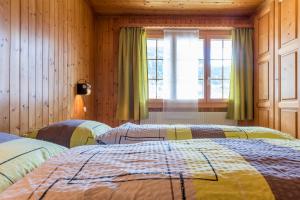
x=185, y=169
x=131, y=133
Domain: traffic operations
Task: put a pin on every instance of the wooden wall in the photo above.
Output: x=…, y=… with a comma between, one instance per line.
x=107, y=33
x=277, y=26
x=46, y=46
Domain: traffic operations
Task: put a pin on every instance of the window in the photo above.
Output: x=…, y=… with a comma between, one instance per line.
x=214, y=66
x=201, y=74
x=155, y=67
x=220, y=65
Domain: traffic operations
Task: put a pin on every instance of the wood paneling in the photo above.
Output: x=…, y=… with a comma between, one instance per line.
x=183, y=7
x=107, y=34
x=289, y=122
x=45, y=48
x=24, y=65
x=263, y=73
x=263, y=34
x=4, y=60
x=287, y=73
x=288, y=20
x=284, y=73
x=14, y=70
x=264, y=66
x=288, y=76
x=263, y=117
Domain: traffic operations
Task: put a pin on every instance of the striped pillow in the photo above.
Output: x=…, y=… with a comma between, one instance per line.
x=71, y=133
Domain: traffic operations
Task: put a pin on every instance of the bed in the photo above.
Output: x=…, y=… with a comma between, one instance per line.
x=131, y=133
x=186, y=169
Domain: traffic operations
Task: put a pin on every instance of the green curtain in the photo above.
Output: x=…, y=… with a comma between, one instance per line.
x=240, y=105
x=133, y=75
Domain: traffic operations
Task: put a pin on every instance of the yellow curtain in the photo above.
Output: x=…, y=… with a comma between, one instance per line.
x=240, y=105
x=133, y=75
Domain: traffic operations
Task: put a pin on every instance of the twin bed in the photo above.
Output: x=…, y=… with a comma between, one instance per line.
x=163, y=162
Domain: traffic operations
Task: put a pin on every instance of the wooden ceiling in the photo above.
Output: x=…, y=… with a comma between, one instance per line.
x=184, y=7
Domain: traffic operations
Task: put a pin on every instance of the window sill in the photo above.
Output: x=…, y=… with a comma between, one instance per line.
x=212, y=106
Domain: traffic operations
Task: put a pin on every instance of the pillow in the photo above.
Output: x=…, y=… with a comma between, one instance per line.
x=5, y=137
x=19, y=156
x=71, y=133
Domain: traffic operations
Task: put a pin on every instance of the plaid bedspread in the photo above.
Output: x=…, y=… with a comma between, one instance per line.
x=186, y=169
x=132, y=133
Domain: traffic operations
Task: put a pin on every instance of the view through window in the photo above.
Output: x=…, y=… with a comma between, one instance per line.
x=220, y=65
x=155, y=67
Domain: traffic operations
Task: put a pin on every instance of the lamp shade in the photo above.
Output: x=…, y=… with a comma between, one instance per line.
x=84, y=88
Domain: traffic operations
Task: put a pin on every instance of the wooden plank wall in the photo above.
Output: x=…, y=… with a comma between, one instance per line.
x=107, y=33
x=282, y=66
x=46, y=46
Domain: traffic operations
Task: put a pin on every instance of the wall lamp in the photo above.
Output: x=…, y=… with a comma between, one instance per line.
x=83, y=88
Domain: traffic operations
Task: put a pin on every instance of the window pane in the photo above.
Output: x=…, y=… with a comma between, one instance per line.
x=151, y=69
x=216, y=49
x=226, y=86
x=201, y=69
x=200, y=89
x=216, y=69
x=227, y=51
x=152, y=89
x=200, y=45
x=159, y=69
x=160, y=89
x=216, y=89
x=227, y=68
x=160, y=49
x=151, y=49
